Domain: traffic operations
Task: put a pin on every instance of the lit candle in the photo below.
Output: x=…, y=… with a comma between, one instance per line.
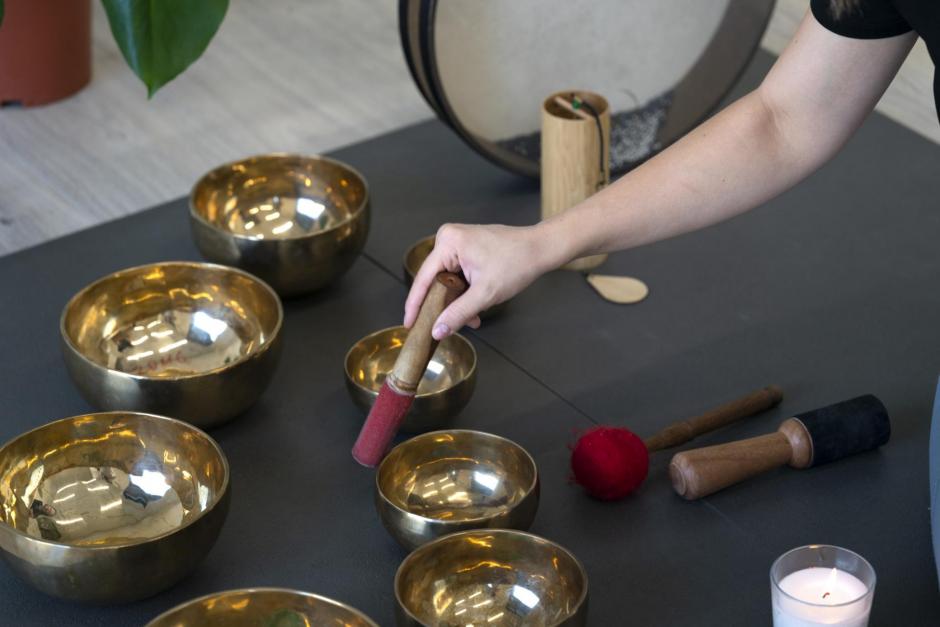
x=809, y=588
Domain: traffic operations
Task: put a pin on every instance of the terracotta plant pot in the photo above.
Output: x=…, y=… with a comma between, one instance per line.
x=45, y=50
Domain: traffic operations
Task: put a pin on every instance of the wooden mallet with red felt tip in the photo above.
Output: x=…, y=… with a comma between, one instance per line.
x=612, y=462
x=401, y=384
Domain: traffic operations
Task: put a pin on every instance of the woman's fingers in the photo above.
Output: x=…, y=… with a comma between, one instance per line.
x=495, y=260
x=463, y=311
x=419, y=288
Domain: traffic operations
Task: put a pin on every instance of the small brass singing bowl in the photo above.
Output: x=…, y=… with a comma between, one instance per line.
x=448, y=481
x=262, y=607
x=497, y=577
x=444, y=390
x=416, y=255
x=110, y=507
x=298, y=222
x=194, y=341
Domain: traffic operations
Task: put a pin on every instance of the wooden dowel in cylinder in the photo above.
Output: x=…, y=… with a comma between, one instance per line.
x=564, y=104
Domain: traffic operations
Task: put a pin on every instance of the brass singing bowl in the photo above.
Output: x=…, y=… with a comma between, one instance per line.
x=110, y=507
x=496, y=577
x=190, y=340
x=298, y=222
x=444, y=390
x=416, y=255
x=262, y=607
x=448, y=481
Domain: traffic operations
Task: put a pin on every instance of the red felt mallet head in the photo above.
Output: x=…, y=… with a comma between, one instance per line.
x=612, y=462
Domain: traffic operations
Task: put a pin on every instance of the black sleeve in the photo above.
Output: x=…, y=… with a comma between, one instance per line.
x=869, y=19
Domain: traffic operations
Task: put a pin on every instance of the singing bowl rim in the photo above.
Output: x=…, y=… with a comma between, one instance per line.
x=463, y=521
x=274, y=335
x=410, y=250
x=355, y=214
x=263, y=589
x=219, y=498
x=374, y=393
x=530, y=537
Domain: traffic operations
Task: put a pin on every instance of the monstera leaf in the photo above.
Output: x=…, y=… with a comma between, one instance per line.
x=161, y=38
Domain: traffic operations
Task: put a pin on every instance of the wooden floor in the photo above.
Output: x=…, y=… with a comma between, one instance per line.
x=290, y=75
x=285, y=75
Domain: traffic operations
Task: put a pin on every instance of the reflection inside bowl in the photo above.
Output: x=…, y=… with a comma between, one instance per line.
x=103, y=505
x=497, y=577
x=285, y=217
x=178, y=342
x=171, y=320
x=262, y=607
x=279, y=196
x=441, y=373
x=449, y=365
x=503, y=602
x=457, y=475
x=126, y=483
x=459, y=488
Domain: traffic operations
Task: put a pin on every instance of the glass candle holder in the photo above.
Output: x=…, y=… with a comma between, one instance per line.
x=821, y=585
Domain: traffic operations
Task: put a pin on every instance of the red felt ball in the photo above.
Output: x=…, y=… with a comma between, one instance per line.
x=610, y=462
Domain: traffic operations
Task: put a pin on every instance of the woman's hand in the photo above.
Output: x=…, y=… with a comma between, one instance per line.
x=497, y=261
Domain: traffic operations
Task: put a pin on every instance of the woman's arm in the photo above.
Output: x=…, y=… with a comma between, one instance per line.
x=814, y=98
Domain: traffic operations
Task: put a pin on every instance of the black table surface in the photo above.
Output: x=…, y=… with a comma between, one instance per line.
x=829, y=291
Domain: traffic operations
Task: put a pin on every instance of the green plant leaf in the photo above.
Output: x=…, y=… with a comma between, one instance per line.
x=161, y=38
x=1, y=11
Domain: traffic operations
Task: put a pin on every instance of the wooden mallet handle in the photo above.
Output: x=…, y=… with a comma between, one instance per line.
x=419, y=346
x=809, y=439
x=703, y=471
x=681, y=432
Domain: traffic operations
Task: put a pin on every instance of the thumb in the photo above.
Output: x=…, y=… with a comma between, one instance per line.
x=460, y=312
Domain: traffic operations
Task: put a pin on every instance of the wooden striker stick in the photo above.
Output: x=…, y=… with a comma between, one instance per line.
x=681, y=432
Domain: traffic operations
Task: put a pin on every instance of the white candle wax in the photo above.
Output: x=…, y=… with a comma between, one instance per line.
x=821, y=596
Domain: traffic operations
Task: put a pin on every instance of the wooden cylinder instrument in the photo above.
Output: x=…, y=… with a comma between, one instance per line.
x=575, y=160
x=810, y=439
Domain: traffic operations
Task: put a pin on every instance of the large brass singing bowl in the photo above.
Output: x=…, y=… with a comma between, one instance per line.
x=444, y=390
x=448, y=481
x=110, y=507
x=297, y=222
x=194, y=341
x=416, y=255
x=262, y=607
x=496, y=578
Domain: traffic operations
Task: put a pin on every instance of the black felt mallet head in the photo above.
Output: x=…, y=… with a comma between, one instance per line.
x=810, y=439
